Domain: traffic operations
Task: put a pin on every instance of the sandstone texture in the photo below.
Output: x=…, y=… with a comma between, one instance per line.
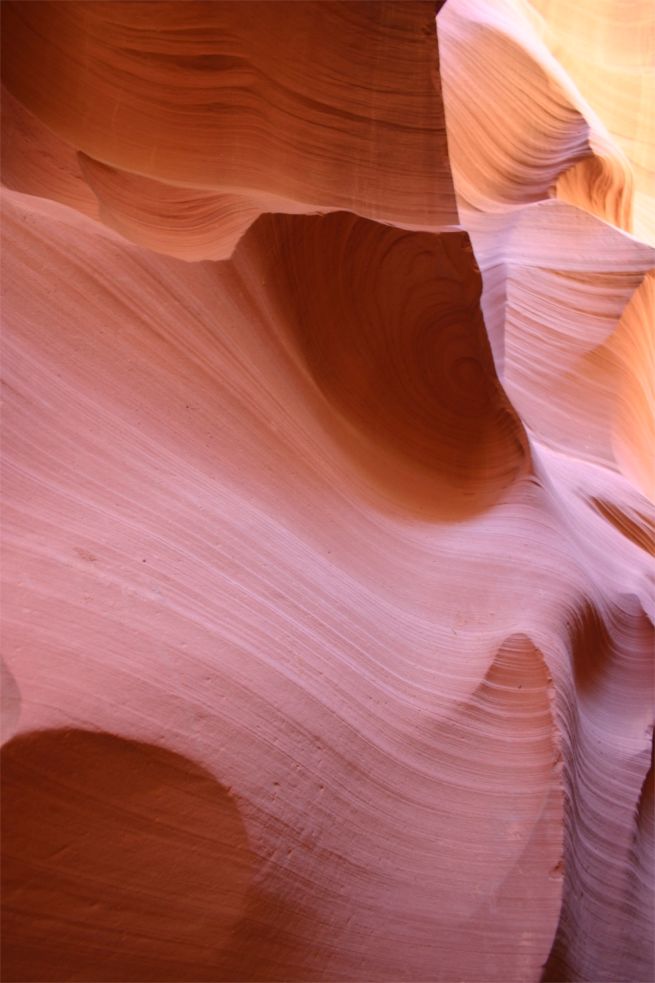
x=329, y=491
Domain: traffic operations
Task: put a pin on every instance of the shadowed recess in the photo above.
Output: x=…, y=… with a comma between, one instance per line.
x=639, y=530
x=591, y=646
x=389, y=325
x=120, y=861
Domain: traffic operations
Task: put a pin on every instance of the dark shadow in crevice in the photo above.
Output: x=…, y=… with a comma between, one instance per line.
x=638, y=530
x=387, y=323
x=591, y=646
x=121, y=861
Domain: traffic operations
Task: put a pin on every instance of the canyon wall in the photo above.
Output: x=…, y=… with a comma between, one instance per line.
x=329, y=484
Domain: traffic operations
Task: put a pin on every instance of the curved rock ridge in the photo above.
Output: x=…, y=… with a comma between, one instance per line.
x=601, y=934
x=329, y=528
x=527, y=128
x=563, y=361
x=569, y=315
x=548, y=200
x=606, y=49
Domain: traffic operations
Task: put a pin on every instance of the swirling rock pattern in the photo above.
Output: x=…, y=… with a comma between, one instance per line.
x=568, y=300
x=329, y=521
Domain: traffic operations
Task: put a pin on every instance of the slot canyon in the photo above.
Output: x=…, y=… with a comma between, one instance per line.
x=328, y=491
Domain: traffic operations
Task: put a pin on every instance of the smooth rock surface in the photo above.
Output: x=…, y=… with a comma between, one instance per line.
x=328, y=566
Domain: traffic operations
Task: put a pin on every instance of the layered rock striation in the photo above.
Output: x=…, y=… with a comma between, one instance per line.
x=328, y=478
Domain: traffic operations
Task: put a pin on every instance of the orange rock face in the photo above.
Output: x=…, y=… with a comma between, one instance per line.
x=328, y=484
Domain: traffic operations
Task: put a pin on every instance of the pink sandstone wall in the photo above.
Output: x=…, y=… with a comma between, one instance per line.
x=329, y=484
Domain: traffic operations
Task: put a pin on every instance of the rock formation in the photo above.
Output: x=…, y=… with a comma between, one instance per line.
x=328, y=482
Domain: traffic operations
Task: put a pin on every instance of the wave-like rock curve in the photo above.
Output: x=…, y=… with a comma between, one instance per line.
x=329, y=522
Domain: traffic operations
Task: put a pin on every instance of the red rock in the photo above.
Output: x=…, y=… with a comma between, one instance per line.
x=328, y=603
